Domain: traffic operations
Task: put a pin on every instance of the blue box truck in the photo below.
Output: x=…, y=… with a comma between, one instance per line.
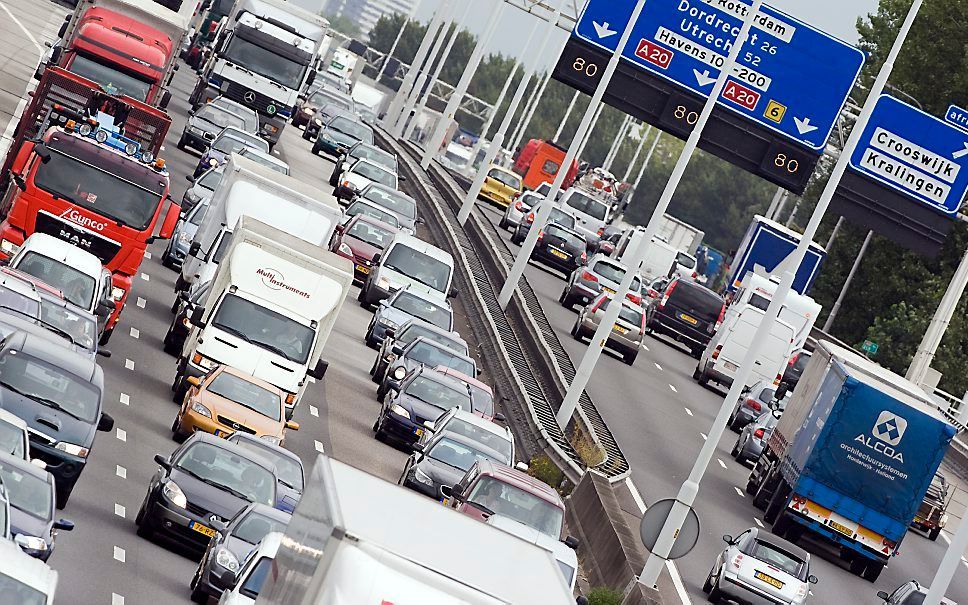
x=767, y=243
x=850, y=458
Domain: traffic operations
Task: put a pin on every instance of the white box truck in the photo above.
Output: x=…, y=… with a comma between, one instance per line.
x=263, y=59
x=269, y=312
x=249, y=188
x=679, y=234
x=660, y=260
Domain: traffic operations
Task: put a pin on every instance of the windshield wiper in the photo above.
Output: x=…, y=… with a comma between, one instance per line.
x=273, y=348
x=41, y=400
x=213, y=483
x=233, y=332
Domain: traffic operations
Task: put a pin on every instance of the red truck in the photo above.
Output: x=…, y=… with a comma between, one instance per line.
x=538, y=162
x=88, y=176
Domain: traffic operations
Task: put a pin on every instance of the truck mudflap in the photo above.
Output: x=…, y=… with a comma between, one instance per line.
x=837, y=528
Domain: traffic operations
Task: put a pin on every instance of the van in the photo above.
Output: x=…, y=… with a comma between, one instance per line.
x=661, y=260
x=408, y=262
x=591, y=211
x=799, y=310
x=726, y=350
x=687, y=312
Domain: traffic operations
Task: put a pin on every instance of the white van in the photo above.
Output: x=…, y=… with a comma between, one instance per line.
x=720, y=360
x=590, y=210
x=799, y=310
x=244, y=588
x=409, y=262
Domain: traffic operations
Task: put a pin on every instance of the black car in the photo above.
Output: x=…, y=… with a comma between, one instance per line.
x=289, y=468
x=323, y=115
x=341, y=133
x=365, y=151
x=798, y=363
x=560, y=248
x=443, y=462
x=58, y=392
x=206, y=481
x=181, y=326
x=424, y=395
x=687, y=312
x=228, y=548
x=396, y=340
x=31, y=493
x=424, y=352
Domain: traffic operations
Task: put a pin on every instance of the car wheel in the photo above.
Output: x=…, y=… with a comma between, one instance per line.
x=697, y=373
x=751, y=486
x=181, y=143
x=176, y=434
x=168, y=345
x=576, y=331
x=733, y=423
x=198, y=593
x=63, y=495
x=143, y=523
x=735, y=451
x=378, y=431
x=629, y=358
x=305, y=134
x=503, y=223
x=333, y=181
x=178, y=389
x=368, y=339
x=934, y=533
x=105, y=337
x=714, y=595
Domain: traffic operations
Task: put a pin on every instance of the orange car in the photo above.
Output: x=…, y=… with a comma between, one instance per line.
x=227, y=400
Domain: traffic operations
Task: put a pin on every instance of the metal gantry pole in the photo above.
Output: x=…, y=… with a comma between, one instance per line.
x=939, y=324
x=689, y=489
x=638, y=255
x=591, y=129
x=780, y=206
x=638, y=181
x=524, y=112
x=635, y=156
x=793, y=213
x=850, y=277
x=437, y=139
x=833, y=234
x=396, y=106
x=498, y=141
x=774, y=204
x=949, y=564
x=528, y=116
x=521, y=261
x=617, y=143
x=564, y=120
x=396, y=41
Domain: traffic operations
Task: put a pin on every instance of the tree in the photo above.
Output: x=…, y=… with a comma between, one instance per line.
x=343, y=25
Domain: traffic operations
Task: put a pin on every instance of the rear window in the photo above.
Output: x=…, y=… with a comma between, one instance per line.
x=685, y=260
x=628, y=314
x=801, y=361
x=587, y=205
x=569, y=238
x=760, y=302
x=780, y=558
x=700, y=302
x=615, y=273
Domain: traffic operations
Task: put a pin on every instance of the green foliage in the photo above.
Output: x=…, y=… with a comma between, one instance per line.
x=343, y=25
x=542, y=468
x=604, y=596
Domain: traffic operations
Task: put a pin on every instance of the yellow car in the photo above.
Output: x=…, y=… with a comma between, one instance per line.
x=227, y=400
x=501, y=186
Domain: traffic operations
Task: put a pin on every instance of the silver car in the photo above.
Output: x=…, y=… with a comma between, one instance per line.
x=601, y=274
x=515, y=212
x=909, y=593
x=558, y=216
x=758, y=567
x=181, y=239
x=627, y=333
x=754, y=401
x=206, y=122
x=752, y=439
x=202, y=188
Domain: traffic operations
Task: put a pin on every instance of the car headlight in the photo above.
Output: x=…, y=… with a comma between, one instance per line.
x=31, y=542
x=383, y=283
x=399, y=411
x=203, y=362
x=421, y=477
x=389, y=325
x=8, y=247
x=196, y=130
x=326, y=137
x=271, y=439
x=174, y=494
x=943, y=521
x=73, y=450
x=226, y=560
x=318, y=122
x=399, y=372
x=345, y=249
x=117, y=293
x=184, y=238
x=212, y=162
x=198, y=408
x=309, y=110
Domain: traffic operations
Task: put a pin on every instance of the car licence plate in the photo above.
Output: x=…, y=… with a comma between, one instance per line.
x=841, y=528
x=445, y=501
x=620, y=329
x=223, y=433
x=688, y=319
x=759, y=575
x=202, y=529
x=418, y=432
x=363, y=270
x=732, y=367
x=558, y=253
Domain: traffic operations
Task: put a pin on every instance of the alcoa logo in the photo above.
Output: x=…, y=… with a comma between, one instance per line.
x=276, y=281
x=76, y=217
x=887, y=432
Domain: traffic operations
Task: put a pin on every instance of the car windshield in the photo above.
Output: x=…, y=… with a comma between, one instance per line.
x=197, y=214
x=213, y=464
x=11, y=442
x=766, y=395
x=264, y=62
x=433, y=355
x=701, y=303
x=255, y=526
x=777, y=557
x=511, y=501
x=488, y=439
x=375, y=173
x=392, y=200
x=375, y=155
x=15, y=592
x=560, y=217
x=28, y=493
x=253, y=582
x=81, y=328
x=505, y=178
x=49, y=385
x=528, y=200
x=265, y=160
x=220, y=117
x=250, y=119
x=15, y=301
x=101, y=181
x=587, y=205
x=916, y=598
x=483, y=400
x=370, y=233
x=231, y=143
x=419, y=266
x=290, y=471
x=570, y=239
x=615, y=273
x=247, y=394
x=422, y=308
x=113, y=82
x=77, y=287
x=211, y=179
x=458, y=455
x=685, y=260
x=369, y=210
x=360, y=132
x=264, y=328
x=437, y=394
x=415, y=331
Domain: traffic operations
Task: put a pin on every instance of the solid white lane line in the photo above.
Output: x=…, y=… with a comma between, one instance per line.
x=313, y=411
x=721, y=463
x=122, y=435
x=757, y=521
x=128, y=365
x=125, y=399
x=119, y=554
x=319, y=447
x=657, y=366
x=704, y=437
x=635, y=494
x=119, y=510
x=116, y=599
x=121, y=472
x=145, y=276
x=135, y=333
x=674, y=389
x=142, y=302
x=688, y=411
x=739, y=491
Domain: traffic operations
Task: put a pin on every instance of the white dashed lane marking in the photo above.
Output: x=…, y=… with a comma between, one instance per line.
x=739, y=492
x=645, y=347
x=116, y=599
x=758, y=522
x=119, y=510
x=121, y=472
x=128, y=365
x=657, y=366
x=721, y=463
x=121, y=434
x=688, y=411
x=147, y=255
x=141, y=302
x=674, y=389
x=119, y=554
x=125, y=399
x=145, y=277
x=135, y=333
x=704, y=437
x=313, y=411
x=319, y=447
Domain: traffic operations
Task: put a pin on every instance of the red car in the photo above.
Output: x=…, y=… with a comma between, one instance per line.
x=482, y=397
x=359, y=240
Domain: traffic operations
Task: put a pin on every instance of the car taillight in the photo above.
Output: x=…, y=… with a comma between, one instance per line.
x=601, y=230
x=758, y=433
x=635, y=298
x=589, y=276
x=737, y=561
x=776, y=381
x=519, y=206
x=722, y=314
x=753, y=404
x=584, y=258
x=652, y=293
x=540, y=235
x=668, y=293
x=695, y=275
x=531, y=217
x=715, y=354
x=793, y=359
x=598, y=303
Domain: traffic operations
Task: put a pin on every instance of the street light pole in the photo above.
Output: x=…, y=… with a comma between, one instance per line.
x=774, y=204
x=605, y=326
x=689, y=489
x=617, y=143
x=396, y=41
x=437, y=139
x=949, y=564
x=564, y=120
x=393, y=112
x=530, y=114
x=517, y=269
x=635, y=156
x=591, y=129
x=850, y=277
x=498, y=141
x=638, y=180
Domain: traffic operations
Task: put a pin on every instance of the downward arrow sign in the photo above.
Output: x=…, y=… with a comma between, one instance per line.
x=603, y=30
x=704, y=78
x=960, y=153
x=804, y=126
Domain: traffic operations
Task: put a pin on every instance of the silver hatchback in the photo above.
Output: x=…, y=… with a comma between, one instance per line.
x=516, y=211
x=601, y=274
x=627, y=333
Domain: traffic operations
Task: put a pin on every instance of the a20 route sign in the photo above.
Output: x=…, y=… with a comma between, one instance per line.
x=789, y=78
x=915, y=154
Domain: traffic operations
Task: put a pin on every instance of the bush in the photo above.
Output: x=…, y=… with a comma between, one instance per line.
x=543, y=469
x=604, y=596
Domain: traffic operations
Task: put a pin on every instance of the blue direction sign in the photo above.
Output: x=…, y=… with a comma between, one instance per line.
x=790, y=77
x=957, y=116
x=914, y=153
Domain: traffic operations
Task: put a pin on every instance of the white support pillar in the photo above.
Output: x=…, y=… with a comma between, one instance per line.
x=564, y=119
x=530, y=114
x=939, y=324
x=392, y=115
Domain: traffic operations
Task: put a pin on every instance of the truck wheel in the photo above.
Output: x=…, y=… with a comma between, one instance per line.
x=777, y=504
x=873, y=571
x=696, y=373
x=629, y=358
x=703, y=378
x=857, y=565
x=503, y=224
x=751, y=486
x=934, y=533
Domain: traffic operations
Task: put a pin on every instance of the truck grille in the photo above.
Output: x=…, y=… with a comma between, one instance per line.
x=103, y=248
x=252, y=99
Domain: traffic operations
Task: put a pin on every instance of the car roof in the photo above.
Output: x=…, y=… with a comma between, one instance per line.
x=226, y=369
x=31, y=325
x=238, y=436
x=65, y=252
x=464, y=378
x=472, y=418
x=522, y=480
x=56, y=354
x=25, y=467
x=412, y=241
x=416, y=321
x=438, y=377
x=365, y=218
x=13, y=419
x=268, y=511
x=24, y=568
x=761, y=535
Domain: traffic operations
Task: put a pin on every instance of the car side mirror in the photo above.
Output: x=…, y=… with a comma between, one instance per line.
x=104, y=353
x=105, y=307
x=430, y=425
x=390, y=333
x=195, y=381
x=194, y=249
x=197, y=314
x=292, y=425
x=401, y=178
x=813, y=580
x=581, y=600
x=396, y=350
x=190, y=179
x=728, y=539
x=521, y=466
x=64, y=524
x=419, y=221
x=105, y=423
x=42, y=153
x=418, y=447
x=165, y=99
x=571, y=542
x=880, y=594
x=376, y=259
x=319, y=370
x=453, y=293
x=447, y=491
x=163, y=462
x=19, y=181
x=499, y=417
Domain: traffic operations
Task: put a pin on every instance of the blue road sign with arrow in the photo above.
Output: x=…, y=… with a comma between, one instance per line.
x=790, y=77
x=915, y=153
x=957, y=116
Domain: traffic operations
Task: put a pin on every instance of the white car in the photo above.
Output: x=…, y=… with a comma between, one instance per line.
x=564, y=554
x=470, y=425
x=758, y=566
x=13, y=436
x=243, y=588
x=361, y=174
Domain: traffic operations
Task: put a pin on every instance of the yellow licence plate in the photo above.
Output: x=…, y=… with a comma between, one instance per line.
x=559, y=254
x=609, y=290
x=418, y=432
x=620, y=329
x=841, y=528
x=202, y=529
x=445, y=501
x=689, y=319
x=363, y=270
x=768, y=579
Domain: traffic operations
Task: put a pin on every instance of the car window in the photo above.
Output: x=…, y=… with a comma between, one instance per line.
x=587, y=205
x=700, y=302
x=225, y=468
x=247, y=394
x=511, y=180
x=418, y=266
x=759, y=301
x=197, y=214
x=458, y=455
x=437, y=394
x=211, y=179
x=434, y=355
x=528, y=200
x=254, y=581
x=12, y=300
x=392, y=200
x=220, y=117
x=41, y=381
x=28, y=493
x=370, y=233
x=615, y=273
x=375, y=173
x=628, y=314
x=685, y=260
x=483, y=400
x=415, y=331
x=423, y=309
x=560, y=217
x=19, y=593
x=265, y=328
x=11, y=441
x=522, y=506
x=81, y=328
x=571, y=239
x=79, y=288
x=374, y=154
x=360, y=132
x=290, y=471
x=369, y=210
x=255, y=526
x=777, y=557
x=487, y=438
